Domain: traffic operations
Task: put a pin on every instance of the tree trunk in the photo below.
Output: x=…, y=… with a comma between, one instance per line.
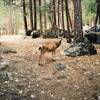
x=54, y=13
x=45, y=18
x=59, y=13
x=35, y=15
x=67, y=12
x=70, y=22
x=31, y=14
x=50, y=13
x=24, y=16
x=62, y=6
x=11, y=26
x=41, y=28
x=78, y=20
x=97, y=15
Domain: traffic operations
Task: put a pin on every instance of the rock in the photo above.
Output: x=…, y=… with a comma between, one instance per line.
x=6, y=50
x=58, y=80
x=47, y=77
x=6, y=76
x=98, y=39
x=15, y=97
x=28, y=32
x=37, y=85
x=35, y=34
x=63, y=98
x=97, y=62
x=16, y=80
x=42, y=92
x=96, y=96
x=60, y=66
x=38, y=79
x=62, y=76
x=52, y=33
x=20, y=92
x=32, y=96
x=91, y=37
x=29, y=86
x=52, y=95
x=4, y=65
x=81, y=48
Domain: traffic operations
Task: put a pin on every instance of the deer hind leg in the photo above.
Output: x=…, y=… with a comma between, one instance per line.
x=53, y=55
x=41, y=58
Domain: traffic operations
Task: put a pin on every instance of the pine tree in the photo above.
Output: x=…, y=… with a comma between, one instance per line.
x=24, y=16
x=78, y=20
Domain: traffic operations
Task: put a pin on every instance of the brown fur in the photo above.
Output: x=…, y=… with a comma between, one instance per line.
x=48, y=47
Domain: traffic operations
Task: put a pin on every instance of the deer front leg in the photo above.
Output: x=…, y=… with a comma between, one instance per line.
x=39, y=61
x=41, y=58
x=53, y=53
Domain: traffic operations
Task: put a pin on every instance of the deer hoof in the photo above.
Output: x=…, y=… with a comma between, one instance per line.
x=53, y=60
x=40, y=64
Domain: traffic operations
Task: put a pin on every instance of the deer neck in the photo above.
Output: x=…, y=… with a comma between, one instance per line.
x=58, y=43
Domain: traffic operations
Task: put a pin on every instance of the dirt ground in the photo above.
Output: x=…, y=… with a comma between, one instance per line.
x=80, y=80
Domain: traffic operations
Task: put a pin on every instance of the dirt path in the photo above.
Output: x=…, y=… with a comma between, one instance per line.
x=80, y=80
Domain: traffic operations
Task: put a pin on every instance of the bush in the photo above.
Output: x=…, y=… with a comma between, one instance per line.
x=52, y=33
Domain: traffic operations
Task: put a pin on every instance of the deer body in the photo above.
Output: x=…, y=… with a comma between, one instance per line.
x=48, y=47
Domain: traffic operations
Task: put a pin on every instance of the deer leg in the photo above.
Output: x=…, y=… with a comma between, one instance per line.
x=53, y=54
x=41, y=58
x=39, y=61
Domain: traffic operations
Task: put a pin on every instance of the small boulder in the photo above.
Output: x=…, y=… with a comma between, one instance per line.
x=28, y=32
x=6, y=76
x=6, y=50
x=4, y=65
x=35, y=34
x=60, y=66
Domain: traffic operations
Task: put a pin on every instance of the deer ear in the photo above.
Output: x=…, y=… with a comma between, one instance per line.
x=60, y=34
x=60, y=37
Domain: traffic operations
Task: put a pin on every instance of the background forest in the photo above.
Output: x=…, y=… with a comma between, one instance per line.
x=11, y=14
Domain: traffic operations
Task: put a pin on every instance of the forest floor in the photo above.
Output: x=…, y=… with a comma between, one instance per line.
x=79, y=80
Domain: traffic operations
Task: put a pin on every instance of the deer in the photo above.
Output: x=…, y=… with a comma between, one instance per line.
x=48, y=46
x=51, y=46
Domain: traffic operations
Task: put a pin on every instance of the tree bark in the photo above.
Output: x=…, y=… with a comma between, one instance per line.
x=24, y=16
x=59, y=13
x=78, y=20
x=97, y=15
x=67, y=12
x=54, y=13
x=45, y=18
x=35, y=15
x=62, y=6
x=31, y=14
x=41, y=27
x=70, y=22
